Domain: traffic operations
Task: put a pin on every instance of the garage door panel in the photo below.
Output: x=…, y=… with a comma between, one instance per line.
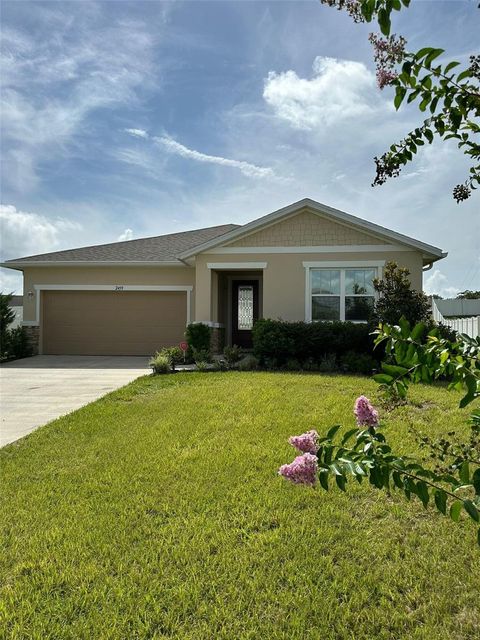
x=112, y=323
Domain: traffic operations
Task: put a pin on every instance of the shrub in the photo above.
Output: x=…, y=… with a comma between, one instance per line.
x=275, y=341
x=18, y=345
x=198, y=338
x=398, y=299
x=202, y=355
x=174, y=354
x=293, y=364
x=202, y=366
x=359, y=363
x=328, y=363
x=248, y=363
x=232, y=354
x=7, y=316
x=160, y=363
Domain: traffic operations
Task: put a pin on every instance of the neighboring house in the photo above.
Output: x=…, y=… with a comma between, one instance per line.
x=461, y=314
x=306, y=261
x=16, y=304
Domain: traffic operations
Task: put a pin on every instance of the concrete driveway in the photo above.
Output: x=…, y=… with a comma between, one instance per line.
x=34, y=391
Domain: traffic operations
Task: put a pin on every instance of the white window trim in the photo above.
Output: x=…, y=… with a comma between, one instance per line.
x=104, y=287
x=335, y=264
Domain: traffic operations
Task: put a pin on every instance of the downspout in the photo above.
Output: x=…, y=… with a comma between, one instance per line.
x=428, y=267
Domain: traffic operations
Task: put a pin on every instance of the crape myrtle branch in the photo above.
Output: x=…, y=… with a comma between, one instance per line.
x=453, y=98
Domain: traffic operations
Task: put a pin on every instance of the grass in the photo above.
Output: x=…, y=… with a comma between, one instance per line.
x=156, y=512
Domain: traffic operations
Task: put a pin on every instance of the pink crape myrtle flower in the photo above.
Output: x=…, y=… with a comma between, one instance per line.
x=306, y=443
x=366, y=415
x=303, y=470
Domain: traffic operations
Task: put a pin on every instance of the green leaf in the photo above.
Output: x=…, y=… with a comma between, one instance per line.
x=424, y=103
x=433, y=104
x=476, y=481
x=432, y=55
x=456, y=118
x=397, y=479
x=428, y=133
x=419, y=329
x=331, y=432
x=394, y=370
x=348, y=435
x=478, y=537
x=422, y=53
x=399, y=96
x=341, y=482
x=441, y=501
x=323, y=477
x=422, y=493
x=450, y=66
x=384, y=22
x=426, y=82
x=471, y=384
x=464, y=472
x=455, y=510
x=404, y=323
x=382, y=378
x=465, y=74
x=367, y=8
x=472, y=510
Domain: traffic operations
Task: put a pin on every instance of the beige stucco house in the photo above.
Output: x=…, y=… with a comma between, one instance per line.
x=306, y=262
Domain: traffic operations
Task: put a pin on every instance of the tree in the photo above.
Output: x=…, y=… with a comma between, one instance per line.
x=398, y=299
x=7, y=316
x=363, y=453
x=451, y=97
x=469, y=295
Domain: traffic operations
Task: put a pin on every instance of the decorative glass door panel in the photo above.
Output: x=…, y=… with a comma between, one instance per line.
x=245, y=307
x=244, y=311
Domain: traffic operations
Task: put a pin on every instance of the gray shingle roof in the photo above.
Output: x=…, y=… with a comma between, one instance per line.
x=155, y=249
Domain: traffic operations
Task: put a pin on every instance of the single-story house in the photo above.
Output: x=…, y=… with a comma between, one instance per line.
x=306, y=261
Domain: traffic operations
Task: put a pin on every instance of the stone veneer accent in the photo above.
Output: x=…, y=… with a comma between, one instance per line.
x=33, y=338
x=308, y=230
x=217, y=340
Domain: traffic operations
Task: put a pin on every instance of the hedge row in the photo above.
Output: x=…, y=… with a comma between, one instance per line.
x=277, y=342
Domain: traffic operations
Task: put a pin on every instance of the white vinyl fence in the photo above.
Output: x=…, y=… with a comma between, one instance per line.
x=470, y=326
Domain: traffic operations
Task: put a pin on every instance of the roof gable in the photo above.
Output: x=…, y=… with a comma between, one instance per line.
x=304, y=229
x=429, y=251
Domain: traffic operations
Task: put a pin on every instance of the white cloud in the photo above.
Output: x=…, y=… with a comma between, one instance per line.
x=248, y=169
x=438, y=283
x=126, y=235
x=137, y=133
x=25, y=233
x=74, y=63
x=338, y=90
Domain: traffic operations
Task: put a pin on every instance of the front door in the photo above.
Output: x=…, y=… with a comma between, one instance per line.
x=244, y=311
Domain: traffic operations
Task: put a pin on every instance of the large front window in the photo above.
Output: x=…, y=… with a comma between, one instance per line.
x=342, y=294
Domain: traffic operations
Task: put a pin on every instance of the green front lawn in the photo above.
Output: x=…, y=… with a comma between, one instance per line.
x=156, y=512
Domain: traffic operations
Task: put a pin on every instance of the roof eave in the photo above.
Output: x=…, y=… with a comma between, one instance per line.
x=18, y=264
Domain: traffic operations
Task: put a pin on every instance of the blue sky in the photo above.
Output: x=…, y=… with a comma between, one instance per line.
x=124, y=120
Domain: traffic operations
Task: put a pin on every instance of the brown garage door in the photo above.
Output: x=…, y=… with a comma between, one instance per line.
x=112, y=323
